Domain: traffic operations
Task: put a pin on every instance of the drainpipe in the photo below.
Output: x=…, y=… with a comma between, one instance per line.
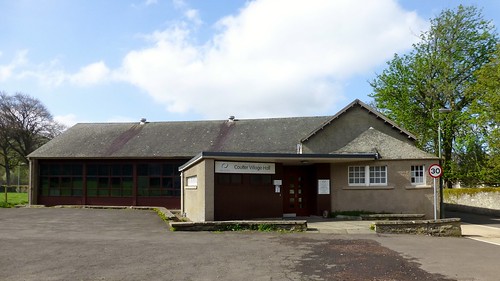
x=182, y=194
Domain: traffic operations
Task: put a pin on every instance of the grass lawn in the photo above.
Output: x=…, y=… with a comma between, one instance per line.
x=13, y=199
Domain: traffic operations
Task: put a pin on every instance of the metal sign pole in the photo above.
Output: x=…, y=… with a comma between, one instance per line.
x=435, y=200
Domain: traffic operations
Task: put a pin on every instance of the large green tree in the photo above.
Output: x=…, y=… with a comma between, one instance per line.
x=486, y=111
x=439, y=72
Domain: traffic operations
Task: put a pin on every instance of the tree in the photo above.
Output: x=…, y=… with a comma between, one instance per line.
x=439, y=72
x=6, y=142
x=25, y=125
x=486, y=109
x=31, y=123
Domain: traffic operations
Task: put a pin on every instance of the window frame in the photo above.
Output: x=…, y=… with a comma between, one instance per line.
x=192, y=182
x=367, y=175
x=423, y=176
x=61, y=179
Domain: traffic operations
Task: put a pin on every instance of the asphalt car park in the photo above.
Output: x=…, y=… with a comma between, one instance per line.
x=89, y=244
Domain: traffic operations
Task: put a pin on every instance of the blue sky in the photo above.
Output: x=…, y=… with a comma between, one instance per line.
x=121, y=60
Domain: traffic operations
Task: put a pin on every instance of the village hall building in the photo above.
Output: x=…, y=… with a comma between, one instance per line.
x=230, y=169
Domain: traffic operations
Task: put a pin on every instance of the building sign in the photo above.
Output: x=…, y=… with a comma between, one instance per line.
x=323, y=186
x=244, y=167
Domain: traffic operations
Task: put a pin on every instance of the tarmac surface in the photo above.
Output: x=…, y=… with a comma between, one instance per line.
x=89, y=244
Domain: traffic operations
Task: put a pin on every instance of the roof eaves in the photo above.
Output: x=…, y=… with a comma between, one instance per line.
x=250, y=155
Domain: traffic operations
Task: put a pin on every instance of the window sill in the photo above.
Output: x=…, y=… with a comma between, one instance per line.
x=372, y=187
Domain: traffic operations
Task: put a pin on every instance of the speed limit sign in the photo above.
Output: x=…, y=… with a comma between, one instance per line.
x=435, y=171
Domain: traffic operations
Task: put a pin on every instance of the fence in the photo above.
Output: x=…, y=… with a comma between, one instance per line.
x=14, y=188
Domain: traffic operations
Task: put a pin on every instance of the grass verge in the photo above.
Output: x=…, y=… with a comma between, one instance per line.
x=13, y=199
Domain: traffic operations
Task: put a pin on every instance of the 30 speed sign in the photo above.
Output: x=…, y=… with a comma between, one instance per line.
x=435, y=171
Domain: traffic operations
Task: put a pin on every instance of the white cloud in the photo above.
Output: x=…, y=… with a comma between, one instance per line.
x=7, y=71
x=274, y=58
x=179, y=4
x=52, y=74
x=193, y=16
x=90, y=74
x=68, y=120
x=151, y=2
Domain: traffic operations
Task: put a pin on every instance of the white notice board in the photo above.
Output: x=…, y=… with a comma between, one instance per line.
x=323, y=186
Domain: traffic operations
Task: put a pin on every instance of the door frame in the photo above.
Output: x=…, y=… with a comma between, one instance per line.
x=301, y=179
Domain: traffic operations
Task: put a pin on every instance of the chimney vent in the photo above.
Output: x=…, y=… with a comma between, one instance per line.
x=232, y=118
x=143, y=121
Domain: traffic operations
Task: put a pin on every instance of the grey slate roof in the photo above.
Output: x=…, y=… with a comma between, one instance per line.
x=179, y=139
x=388, y=147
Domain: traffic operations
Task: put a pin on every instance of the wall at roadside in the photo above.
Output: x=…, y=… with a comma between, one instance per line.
x=486, y=203
x=487, y=200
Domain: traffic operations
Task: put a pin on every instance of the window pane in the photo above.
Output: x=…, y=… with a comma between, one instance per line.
x=66, y=182
x=54, y=192
x=127, y=187
x=167, y=183
x=154, y=183
x=65, y=192
x=66, y=169
x=103, y=183
x=116, y=192
x=91, y=186
x=103, y=192
x=235, y=178
x=44, y=170
x=103, y=170
x=378, y=174
x=177, y=183
x=116, y=170
x=154, y=169
x=142, y=170
x=45, y=185
x=223, y=178
x=77, y=169
x=142, y=186
x=127, y=170
x=417, y=174
x=155, y=192
x=168, y=170
x=357, y=175
x=92, y=170
x=54, y=183
x=116, y=183
x=54, y=169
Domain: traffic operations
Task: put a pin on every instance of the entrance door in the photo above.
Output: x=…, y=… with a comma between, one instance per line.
x=295, y=186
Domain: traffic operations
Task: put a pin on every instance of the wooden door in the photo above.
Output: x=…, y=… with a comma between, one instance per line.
x=295, y=186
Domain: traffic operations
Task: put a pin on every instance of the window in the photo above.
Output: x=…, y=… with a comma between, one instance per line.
x=61, y=179
x=417, y=175
x=378, y=175
x=229, y=179
x=110, y=180
x=260, y=180
x=154, y=179
x=192, y=182
x=357, y=175
x=367, y=175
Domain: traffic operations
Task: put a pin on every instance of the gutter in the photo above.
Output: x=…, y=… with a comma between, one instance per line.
x=277, y=156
